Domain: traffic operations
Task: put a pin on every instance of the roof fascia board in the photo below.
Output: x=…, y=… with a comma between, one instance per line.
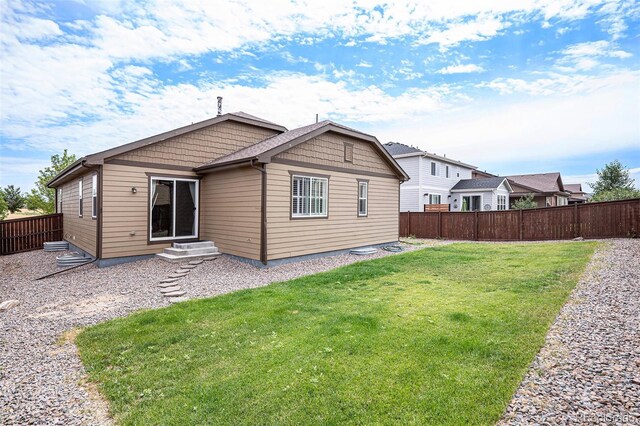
x=69, y=169
x=119, y=150
x=449, y=160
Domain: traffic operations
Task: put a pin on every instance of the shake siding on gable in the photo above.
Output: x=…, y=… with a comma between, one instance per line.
x=80, y=231
x=328, y=150
x=200, y=146
x=125, y=213
x=230, y=211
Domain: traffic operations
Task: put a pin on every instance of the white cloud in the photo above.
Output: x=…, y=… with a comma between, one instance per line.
x=483, y=28
x=364, y=64
x=602, y=118
x=461, y=69
x=587, y=55
x=585, y=180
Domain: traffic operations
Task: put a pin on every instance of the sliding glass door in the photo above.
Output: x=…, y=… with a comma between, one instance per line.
x=174, y=208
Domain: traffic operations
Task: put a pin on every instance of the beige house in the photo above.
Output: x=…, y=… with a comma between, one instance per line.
x=547, y=189
x=259, y=191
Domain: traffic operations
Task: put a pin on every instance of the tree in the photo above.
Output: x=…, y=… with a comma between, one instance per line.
x=613, y=176
x=13, y=198
x=525, y=202
x=616, y=194
x=3, y=209
x=42, y=198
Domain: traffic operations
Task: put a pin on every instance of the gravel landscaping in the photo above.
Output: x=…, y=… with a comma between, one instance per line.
x=41, y=377
x=588, y=371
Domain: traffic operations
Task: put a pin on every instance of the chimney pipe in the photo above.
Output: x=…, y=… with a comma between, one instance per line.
x=219, y=105
x=316, y=118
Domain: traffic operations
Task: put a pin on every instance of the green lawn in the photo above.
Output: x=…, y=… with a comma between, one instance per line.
x=442, y=336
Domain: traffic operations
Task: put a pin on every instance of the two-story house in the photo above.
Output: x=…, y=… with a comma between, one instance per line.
x=438, y=183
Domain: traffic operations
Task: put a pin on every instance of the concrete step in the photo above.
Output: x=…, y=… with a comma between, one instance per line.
x=187, y=252
x=180, y=259
x=176, y=293
x=197, y=245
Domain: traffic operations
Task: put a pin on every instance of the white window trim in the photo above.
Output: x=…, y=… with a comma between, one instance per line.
x=435, y=195
x=365, y=198
x=59, y=206
x=94, y=196
x=196, y=224
x=433, y=168
x=325, y=196
x=503, y=205
x=80, y=199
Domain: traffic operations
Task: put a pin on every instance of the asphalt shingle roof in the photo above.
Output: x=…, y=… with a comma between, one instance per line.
x=543, y=182
x=484, y=183
x=396, y=148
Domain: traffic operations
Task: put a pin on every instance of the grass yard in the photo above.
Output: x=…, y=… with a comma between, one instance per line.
x=436, y=336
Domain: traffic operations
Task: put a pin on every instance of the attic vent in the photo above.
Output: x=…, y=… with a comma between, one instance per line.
x=348, y=152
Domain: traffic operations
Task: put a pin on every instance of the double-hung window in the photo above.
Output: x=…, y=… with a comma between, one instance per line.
x=309, y=196
x=363, y=198
x=446, y=168
x=94, y=196
x=434, y=199
x=59, y=200
x=434, y=168
x=502, y=202
x=80, y=198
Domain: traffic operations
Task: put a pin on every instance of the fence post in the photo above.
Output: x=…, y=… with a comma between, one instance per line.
x=576, y=224
x=439, y=224
x=521, y=224
x=409, y=223
x=476, y=232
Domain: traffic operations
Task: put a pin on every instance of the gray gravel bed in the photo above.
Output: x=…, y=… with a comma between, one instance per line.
x=588, y=371
x=41, y=377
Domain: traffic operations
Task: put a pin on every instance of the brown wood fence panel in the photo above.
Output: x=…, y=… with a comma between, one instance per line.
x=30, y=233
x=548, y=223
x=459, y=226
x=609, y=219
x=499, y=225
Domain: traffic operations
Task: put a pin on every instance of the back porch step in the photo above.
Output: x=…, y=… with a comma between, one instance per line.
x=180, y=252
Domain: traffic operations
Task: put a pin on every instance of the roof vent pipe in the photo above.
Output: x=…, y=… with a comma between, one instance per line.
x=219, y=105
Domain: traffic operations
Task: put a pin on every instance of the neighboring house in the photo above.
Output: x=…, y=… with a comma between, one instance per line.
x=481, y=194
x=258, y=191
x=577, y=195
x=547, y=189
x=479, y=174
x=434, y=177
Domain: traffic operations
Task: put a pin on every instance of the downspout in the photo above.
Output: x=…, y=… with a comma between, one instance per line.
x=263, y=212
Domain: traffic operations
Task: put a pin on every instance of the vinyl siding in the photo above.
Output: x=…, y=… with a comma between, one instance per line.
x=80, y=231
x=125, y=212
x=200, y=146
x=328, y=150
x=230, y=211
x=410, y=190
x=343, y=228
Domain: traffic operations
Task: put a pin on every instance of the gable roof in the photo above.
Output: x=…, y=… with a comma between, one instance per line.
x=397, y=148
x=264, y=150
x=574, y=188
x=481, y=183
x=541, y=182
x=99, y=157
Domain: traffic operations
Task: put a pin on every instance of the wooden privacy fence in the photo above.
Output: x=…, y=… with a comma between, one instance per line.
x=29, y=233
x=591, y=220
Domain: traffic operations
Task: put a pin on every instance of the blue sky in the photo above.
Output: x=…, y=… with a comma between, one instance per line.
x=512, y=87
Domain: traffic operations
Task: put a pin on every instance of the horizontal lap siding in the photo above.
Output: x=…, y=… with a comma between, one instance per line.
x=343, y=229
x=79, y=231
x=200, y=146
x=125, y=212
x=230, y=211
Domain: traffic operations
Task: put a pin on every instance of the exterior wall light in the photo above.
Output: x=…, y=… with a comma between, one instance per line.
x=134, y=190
